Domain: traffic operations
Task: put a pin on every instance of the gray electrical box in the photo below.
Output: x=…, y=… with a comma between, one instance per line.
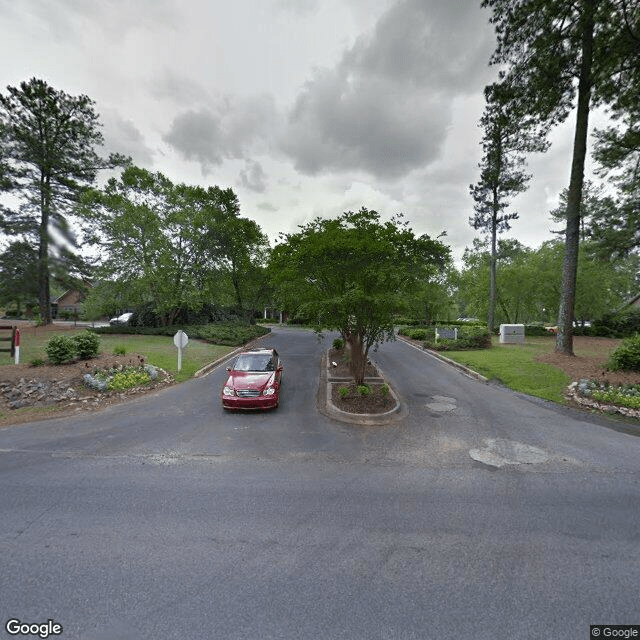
x=511, y=334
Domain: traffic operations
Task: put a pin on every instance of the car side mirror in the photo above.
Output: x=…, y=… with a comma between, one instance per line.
x=228, y=368
x=279, y=368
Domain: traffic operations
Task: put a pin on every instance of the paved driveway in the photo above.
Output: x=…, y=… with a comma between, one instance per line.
x=482, y=514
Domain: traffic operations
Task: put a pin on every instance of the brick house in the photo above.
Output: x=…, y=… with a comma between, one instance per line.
x=69, y=302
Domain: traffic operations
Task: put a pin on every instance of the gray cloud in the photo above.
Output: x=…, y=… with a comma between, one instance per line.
x=226, y=129
x=266, y=206
x=386, y=107
x=122, y=136
x=252, y=177
x=444, y=46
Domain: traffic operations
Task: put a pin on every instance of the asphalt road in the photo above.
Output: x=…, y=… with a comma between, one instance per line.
x=481, y=514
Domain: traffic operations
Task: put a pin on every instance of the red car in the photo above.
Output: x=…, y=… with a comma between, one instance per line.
x=254, y=381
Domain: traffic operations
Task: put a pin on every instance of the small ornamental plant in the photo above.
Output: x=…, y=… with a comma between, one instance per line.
x=343, y=391
x=87, y=345
x=363, y=389
x=627, y=395
x=121, y=378
x=627, y=356
x=60, y=349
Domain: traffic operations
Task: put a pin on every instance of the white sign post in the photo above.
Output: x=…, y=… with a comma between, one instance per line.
x=180, y=340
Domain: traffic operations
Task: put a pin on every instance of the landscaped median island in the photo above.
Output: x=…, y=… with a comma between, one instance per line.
x=372, y=400
x=65, y=370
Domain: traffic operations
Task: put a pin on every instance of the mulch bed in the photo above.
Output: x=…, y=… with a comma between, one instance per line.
x=354, y=402
x=340, y=357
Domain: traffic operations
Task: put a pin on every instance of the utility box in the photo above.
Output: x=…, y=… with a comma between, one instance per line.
x=511, y=334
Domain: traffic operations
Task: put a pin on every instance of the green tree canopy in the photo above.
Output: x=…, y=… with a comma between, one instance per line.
x=176, y=246
x=18, y=274
x=353, y=273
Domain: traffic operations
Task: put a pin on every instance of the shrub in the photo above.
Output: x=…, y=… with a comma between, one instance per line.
x=119, y=350
x=536, y=330
x=469, y=338
x=384, y=389
x=417, y=333
x=37, y=362
x=343, y=391
x=87, y=345
x=617, y=325
x=60, y=349
x=363, y=389
x=626, y=356
x=338, y=343
x=230, y=334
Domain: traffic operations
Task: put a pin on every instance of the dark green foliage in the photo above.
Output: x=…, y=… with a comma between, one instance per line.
x=224, y=334
x=338, y=343
x=60, y=349
x=627, y=356
x=179, y=247
x=354, y=274
x=146, y=316
x=19, y=275
x=536, y=330
x=617, y=325
x=470, y=338
x=417, y=333
x=87, y=345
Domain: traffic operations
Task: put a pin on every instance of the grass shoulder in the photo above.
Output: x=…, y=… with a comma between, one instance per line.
x=518, y=367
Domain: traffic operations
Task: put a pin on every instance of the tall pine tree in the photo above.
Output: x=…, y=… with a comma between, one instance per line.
x=565, y=55
x=48, y=145
x=505, y=143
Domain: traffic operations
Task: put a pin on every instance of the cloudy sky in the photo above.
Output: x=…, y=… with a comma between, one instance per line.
x=304, y=107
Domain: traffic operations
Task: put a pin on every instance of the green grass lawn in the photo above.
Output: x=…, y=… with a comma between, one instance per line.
x=157, y=350
x=516, y=367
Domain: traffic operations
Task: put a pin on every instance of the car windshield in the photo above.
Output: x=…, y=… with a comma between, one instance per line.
x=254, y=362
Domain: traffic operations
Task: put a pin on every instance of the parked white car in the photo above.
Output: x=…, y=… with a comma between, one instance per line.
x=123, y=319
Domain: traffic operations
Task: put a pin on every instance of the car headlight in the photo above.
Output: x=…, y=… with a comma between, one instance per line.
x=270, y=391
x=228, y=391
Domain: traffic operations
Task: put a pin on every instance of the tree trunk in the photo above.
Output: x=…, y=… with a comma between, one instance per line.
x=44, y=297
x=564, y=339
x=492, y=269
x=358, y=359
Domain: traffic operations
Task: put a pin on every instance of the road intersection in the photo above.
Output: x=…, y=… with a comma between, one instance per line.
x=481, y=513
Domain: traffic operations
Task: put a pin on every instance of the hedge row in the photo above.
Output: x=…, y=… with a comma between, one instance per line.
x=232, y=335
x=614, y=325
x=469, y=337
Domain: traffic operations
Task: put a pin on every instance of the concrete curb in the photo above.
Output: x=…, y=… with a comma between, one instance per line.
x=326, y=406
x=438, y=356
